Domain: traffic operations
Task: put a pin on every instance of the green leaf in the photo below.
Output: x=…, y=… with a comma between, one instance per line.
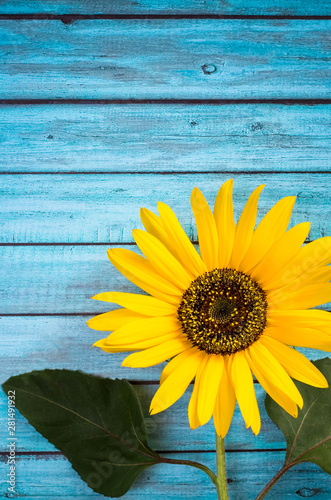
x=308, y=436
x=97, y=423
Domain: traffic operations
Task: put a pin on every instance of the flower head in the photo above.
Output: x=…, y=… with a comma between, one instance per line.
x=233, y=311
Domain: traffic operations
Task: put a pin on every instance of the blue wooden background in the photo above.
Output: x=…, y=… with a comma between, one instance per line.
x=106, y=106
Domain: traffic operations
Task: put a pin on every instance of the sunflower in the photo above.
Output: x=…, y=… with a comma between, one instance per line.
x=236, y=309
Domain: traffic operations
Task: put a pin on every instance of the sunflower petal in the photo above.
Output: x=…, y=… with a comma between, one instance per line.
x=315, y=254
x=295, y=363
x=271, y=369
x=245, y=229
x=155, y=355
x=318, y=275
x=223, y=214
x=185, y=250
x=193, y=416
x=279, y=396
x=161, y=259
x=272, y=227
x=242, y=382
x=106, y=344
x=300, y=337
x=281, y=253
x=153, y=225
x=142, y=304
x=140, y=272
x=143, y=329
x=176, y=383
x=304, y=298
x=206, y=227
x=225, y=403
x=208, y=388
x=309, y=318
x=104, y=347
x=112, y=320
x=174, y=362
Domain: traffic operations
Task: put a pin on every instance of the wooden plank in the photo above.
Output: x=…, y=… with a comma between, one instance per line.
x=66, y=342
x=168, y=430
x=168, y=7
x=182, y=59
x=140, y=138
x=57, y=279
x=58, y=342
x=98, y=208
x=38, y=478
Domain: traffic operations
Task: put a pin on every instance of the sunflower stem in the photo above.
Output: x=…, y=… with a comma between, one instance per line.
x=221, y=483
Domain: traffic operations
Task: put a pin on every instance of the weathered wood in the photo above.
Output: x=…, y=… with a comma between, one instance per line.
x=66, y=342
x=167, y=7
x=38, y=478
x=101, y=208
x=168, y=430
x=57, y=279
x=140, y=138
x=162, y=59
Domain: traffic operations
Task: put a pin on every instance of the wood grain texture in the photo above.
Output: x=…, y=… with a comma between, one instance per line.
x=57, y=279
x=168, y=7
x=183, y=59
x=101, y=208
x=66, y=342
x=140, y=138
x=168, y=430
x=50, y=476
x=116, y=155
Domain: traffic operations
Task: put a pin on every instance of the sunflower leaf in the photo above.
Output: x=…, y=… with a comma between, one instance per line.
x=97, y=424
x=308, y=436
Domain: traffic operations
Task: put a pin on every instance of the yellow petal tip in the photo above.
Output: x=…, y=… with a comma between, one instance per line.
x=196, y=191
x=324, y=384
x=154, y=411
x=98, y=343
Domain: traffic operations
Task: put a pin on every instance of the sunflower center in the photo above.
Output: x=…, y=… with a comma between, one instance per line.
x=223, y=311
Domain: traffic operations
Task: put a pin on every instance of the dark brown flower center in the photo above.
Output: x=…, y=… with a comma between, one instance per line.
x=223, y=311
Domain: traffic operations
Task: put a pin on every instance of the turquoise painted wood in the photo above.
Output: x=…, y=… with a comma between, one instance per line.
x=168, y=138
x=168, y=7
x=169, y=430
x=104, y=160
x=172, y=58
x=57, y=279
x=52, y=477
x=101, y=208
x=66, y=342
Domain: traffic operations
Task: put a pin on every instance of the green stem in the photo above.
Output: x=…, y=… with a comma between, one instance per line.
x=197, y=465
x=219, y=480
x=221, y=484
x=272, y=483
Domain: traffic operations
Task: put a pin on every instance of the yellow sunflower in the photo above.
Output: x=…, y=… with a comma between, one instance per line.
x=223, y=315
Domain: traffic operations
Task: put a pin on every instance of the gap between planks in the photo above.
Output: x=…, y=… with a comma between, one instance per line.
x=175, y=172
x=71, y=18
x=58, y=453
x=202, y=102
